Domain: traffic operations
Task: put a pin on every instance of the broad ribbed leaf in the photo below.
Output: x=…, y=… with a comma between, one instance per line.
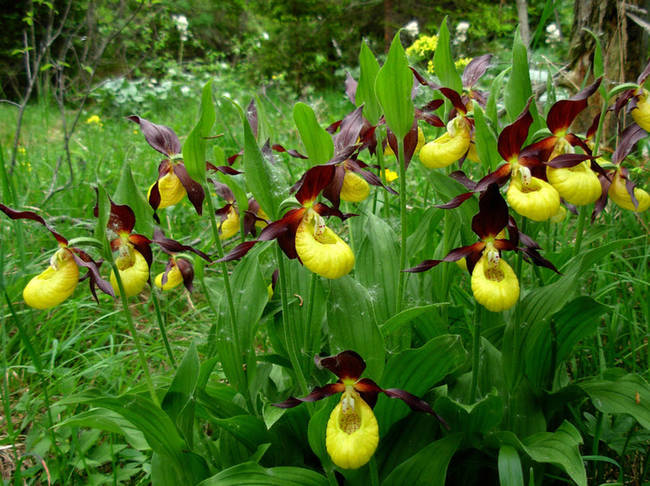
x=318, y=143
x=128, y=193
x=510, y=472
x=472, y=420
x=518, y=88
x=318, y=427
x=108, y=421
x=352, y=324
x=404, y=317
x=444, y=63
x=416, y=371
x=393, y=88
x=429, y=466
x=628, y=394
x=253, y=474
x=486, y=142
x=577, y=320
x=163, y=472
x=194, y=146
x=247, y=429
x=365, y=95
x=560, y=448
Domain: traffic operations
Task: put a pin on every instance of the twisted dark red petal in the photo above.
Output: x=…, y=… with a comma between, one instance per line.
x=13, y=214
x=317, y=393
x=513, y=136
x=493, y=213
x=345, y=365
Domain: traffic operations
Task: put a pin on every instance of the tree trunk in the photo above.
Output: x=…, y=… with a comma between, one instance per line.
x=623, y=42
x=524, y=28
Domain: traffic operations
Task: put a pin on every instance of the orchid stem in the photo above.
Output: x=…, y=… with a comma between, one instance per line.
x=310, y=312
x=402, y=210
x=231, y=305
x=374, y=474
x=582, y=216
x=161, y=325
x=289, y=337
x=382, y=171
x=476, y=348
x=134, y=332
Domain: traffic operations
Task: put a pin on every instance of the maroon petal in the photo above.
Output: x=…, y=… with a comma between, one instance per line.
x=161, y=138
x=174, y=246
x=513, y=136
x=347, y=365
x=83, y=260
x=423, y=266
x=223, y=191
x=475, y=69
x=430, y=118
x=630, y=136
x=455, y=202
x=493, y=213
x=455, y=99
x=121, y=218
x=142, y=244
x=317, y=393
x=532, y=255
x=593, y=128
x=332, y=191
x=13, y=214
x=369, y=177
x=292, y=152
x=415, y=403
x=460, y=176
x=600, y=204
x=194, y=190
x=232, y=158
x=315, y=180
x=224, y=169
x=562, y=113
x=369, y=390
x=239, y=251
x=422, y=80
x=499, y=177
x=567, y=160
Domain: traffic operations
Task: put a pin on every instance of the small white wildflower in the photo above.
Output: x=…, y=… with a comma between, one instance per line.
x=185, y=90
x=265, y=35
x=412, y=28
x=462, y=27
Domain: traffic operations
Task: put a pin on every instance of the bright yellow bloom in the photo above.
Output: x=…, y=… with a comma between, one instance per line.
x=390, y=175
x=536, y=200
x=134, y=272
x=424, y=46
x=171, y=190
x=321, y=250
x=578, y=185
x=230, y=226
x=174, y=278
x=618, y=193
x=641, y=113
x=355, y=188
x=94, y=120
x=494, y=283
x=472, y=154
x=448, y=148
x=55, y=284
x=352, y=431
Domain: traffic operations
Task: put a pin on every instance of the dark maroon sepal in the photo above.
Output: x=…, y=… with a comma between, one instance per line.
x=143, y=245
x=173, y=246
x=232, y=158
x=345, y=365
x=416, y=404
x=350, y=87
x=423, y=266
x=567, y=160
x=599, y=205
x=422, y=80
x=194, y=190
x=493, y=213
x=223, y=191
x=562, y=113
x=187, y=271
x=314, y=181
x=460, y=176
x=154, y=200
x=238, y=252
x=429, y=118
x=350, y=128
x=332, y=192
x=13, y=214
x=498, y=177
x=455, y=99
x=121, y=218
x=629, y=186
x=410, y=142
x=456, y=201
x=531, y=255
x=475, y=70
x=514, y=135
x=316, y=394
x=370, y=178
x=222, y=212
x=224, y=169
x=326, y=211
x=630, y=136
x=161, y=138
x=593, y=128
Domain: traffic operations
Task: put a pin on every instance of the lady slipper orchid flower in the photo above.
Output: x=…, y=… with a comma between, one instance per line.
x=302, y=233
x=59, y=281
x=455, y=142
x=352, y=432
x=173, y=180
x=621, y=189
x=637, y=101
x=254, y=217
x=494, y=284
x=572, y=174
x=179, y=269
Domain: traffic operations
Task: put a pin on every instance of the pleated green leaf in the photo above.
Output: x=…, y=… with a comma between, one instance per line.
x=194, y=146
x=318, y=143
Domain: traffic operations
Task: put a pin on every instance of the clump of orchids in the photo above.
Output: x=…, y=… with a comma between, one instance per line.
x=352, y=432
x=494, y=284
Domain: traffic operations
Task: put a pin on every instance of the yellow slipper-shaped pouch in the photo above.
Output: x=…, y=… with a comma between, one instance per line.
x=578, y=185
x=537, y=200
x=446, y=149
x=174, y=279
x=323, y=251
x=618, y=193
x=171, y=190
x=134, y=273
x=641, y=113
x=230, y=226
x=55, y=284
x=495, y=286
x=355, y=188
x=352, y=432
